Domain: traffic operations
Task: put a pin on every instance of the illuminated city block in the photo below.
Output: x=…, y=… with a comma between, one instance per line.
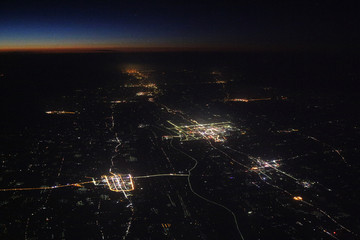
x=298, y=198
x=60, y=112
x=212, y=131
x=119, y=182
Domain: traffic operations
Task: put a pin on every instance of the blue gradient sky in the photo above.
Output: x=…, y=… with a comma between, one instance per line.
x=119, y=24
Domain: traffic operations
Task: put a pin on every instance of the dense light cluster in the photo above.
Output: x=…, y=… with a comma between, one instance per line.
x=212, y=131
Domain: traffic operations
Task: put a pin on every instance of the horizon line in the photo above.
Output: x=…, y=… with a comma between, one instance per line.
x=100, y=49
x=114, y=49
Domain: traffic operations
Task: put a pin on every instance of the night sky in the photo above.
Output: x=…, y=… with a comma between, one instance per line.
x=116, y=25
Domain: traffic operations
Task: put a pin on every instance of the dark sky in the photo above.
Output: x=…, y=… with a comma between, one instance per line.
x=146, y=24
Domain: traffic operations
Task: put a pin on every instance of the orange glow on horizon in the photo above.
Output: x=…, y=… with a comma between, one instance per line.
x=102, y=48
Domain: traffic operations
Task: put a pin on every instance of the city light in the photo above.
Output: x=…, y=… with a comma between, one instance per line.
x=60, y=112
x=298, y=198
x=212, y=131
x=119, y=182
x=247, y=99
x=115, y=182
x=79, y=184
x=136, y=74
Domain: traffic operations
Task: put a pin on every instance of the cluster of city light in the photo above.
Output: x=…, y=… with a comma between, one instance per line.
x=297, y=198
x=135, y=73
x=261, y=164
x=152, y=88
x=290, y=130
x=144, y=94
x=246, y=99
x=119, y=182
x=119, y=101
x=166, y=227
x=60, y=112
x=143, y=85
x=212, y=131
x=252, y=99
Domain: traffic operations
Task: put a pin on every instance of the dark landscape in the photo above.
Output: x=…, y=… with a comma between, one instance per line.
x=179, y=120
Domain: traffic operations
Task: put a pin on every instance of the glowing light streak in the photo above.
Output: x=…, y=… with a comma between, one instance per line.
x=97, y=221
x=330, y=234
x=163, y=175
x=60, y=112
x=329, y=146
x=282, y=172
x=247, y=99
x=45, y=188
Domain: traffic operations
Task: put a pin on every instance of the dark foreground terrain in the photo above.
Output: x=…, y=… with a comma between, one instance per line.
x=250, y=146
